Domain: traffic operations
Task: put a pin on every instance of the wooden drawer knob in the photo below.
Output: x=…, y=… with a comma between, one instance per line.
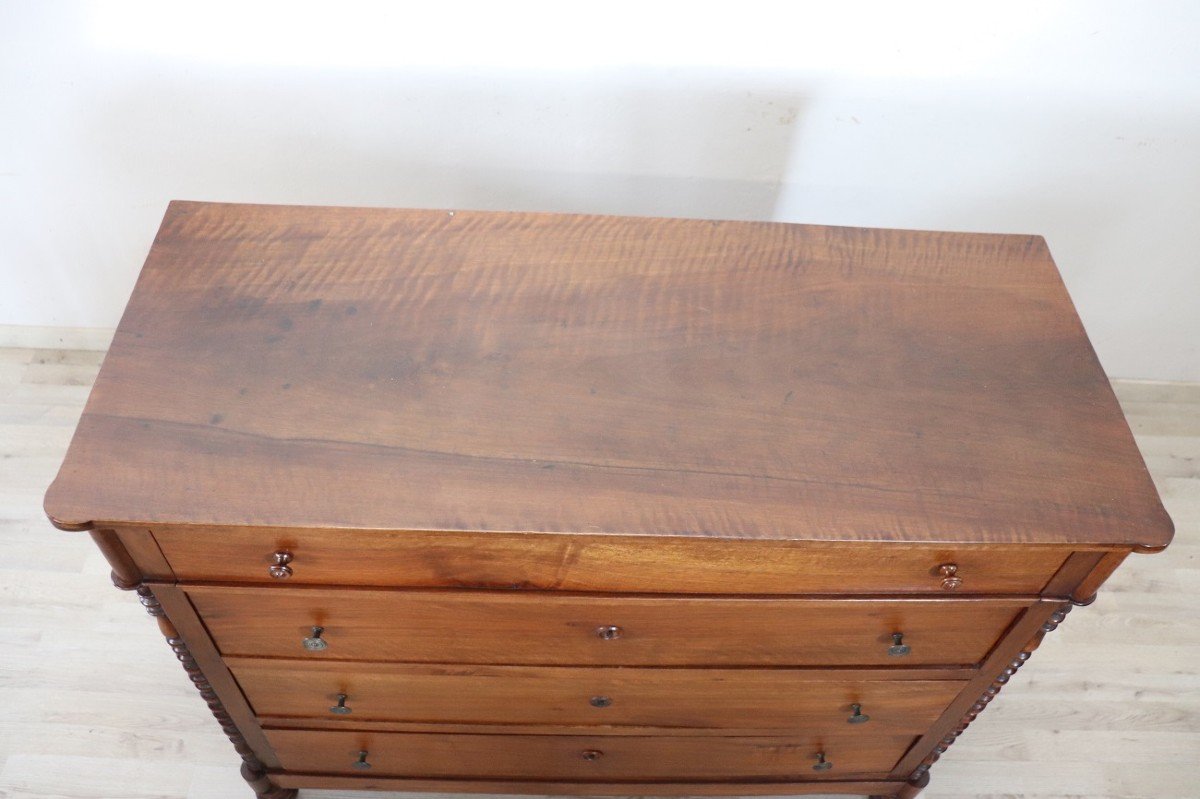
x=857, y=716
x=280, y=569
x=340, y=708
x=315, y=643
x=950, y=578
x=361, y=764
x=822, y=763
x=609, y=633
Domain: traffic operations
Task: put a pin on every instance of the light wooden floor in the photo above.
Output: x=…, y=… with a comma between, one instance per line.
x=92, y=703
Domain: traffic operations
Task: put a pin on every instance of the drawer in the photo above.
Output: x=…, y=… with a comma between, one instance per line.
x=598, y=563
x=586, y=758
x=810, y=700
x=548, y=628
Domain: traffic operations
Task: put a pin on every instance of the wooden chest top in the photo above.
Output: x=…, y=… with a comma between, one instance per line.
x=467, y=371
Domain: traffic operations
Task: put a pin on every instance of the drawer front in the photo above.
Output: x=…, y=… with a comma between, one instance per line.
x=585, y=758
x=546, y=695
x=540, y=628
x=599, y=563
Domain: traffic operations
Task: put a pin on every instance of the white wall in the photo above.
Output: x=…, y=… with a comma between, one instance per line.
x=1079, y=121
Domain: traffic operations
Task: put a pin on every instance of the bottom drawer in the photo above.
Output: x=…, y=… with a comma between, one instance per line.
x=587, y=758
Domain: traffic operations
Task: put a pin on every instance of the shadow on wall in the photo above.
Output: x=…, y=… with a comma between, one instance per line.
x=670, y=144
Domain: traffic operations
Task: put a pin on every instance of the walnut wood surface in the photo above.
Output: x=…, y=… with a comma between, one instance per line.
x=1085, y=592
x=599, y=563
x=428, y=370
x=551, y=757
x=1075, y=570
x=145, y=552
x=525, y=628
x=668, y=698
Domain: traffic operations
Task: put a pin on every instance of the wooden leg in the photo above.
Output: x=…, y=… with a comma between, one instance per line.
x=261, y=784
x=914, y=787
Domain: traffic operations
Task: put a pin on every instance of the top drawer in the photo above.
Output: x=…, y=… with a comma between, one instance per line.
x=599, y=562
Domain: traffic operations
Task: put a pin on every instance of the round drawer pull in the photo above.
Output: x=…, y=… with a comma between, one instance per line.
x=600, y=701
x=858, y=716
x=280, y=569
x=340, y=708
x=591, y=754
x=898, y=649
x=315, y=643
x=822, y=763
x=361, y=764
x=950, y=578
x=610, y=632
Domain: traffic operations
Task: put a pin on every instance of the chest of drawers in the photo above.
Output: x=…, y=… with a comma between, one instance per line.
x=527, y=503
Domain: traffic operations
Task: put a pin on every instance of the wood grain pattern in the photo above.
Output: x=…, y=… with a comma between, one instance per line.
x=1076, y=570
x=529, y=628
x=427, y=370
x=1085, y=592
x=622, y=697
x=125, y=573
x=146, y=554
x=565, y=757
x=599, y=563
